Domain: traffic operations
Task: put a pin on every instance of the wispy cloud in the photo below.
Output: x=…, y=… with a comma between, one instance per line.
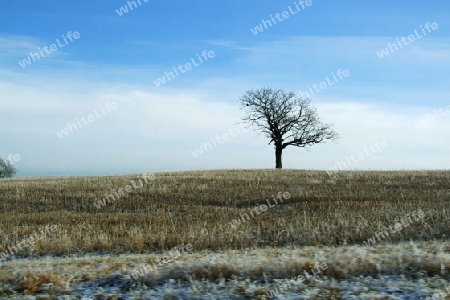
x=229, y=44
x=14, y=46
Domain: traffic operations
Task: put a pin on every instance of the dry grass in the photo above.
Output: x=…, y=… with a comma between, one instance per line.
x=196, y=208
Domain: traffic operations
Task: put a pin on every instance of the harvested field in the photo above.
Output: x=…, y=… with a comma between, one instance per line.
x=324, y=220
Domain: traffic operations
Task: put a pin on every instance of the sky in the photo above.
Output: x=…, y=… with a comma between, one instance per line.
x=95, y=87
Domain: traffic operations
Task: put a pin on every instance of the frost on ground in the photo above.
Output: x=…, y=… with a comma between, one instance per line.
x=390, y=271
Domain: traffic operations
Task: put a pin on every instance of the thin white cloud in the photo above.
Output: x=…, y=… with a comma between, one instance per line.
x=229, y=44
x=19, y=46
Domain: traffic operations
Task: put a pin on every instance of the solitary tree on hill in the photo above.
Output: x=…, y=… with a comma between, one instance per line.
x=287, y=120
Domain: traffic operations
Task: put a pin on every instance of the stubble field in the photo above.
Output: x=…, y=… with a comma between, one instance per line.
x=357, y=223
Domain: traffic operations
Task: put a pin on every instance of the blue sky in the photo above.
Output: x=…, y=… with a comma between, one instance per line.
x=117, y=59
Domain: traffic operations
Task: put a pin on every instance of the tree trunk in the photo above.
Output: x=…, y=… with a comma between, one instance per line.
x=278, y=152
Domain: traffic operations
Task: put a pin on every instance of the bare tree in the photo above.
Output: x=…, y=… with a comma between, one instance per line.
x=6, y=169
x=287, y=120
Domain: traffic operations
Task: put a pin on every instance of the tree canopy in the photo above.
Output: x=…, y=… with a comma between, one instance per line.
x=286, y=119
x=6, y=169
